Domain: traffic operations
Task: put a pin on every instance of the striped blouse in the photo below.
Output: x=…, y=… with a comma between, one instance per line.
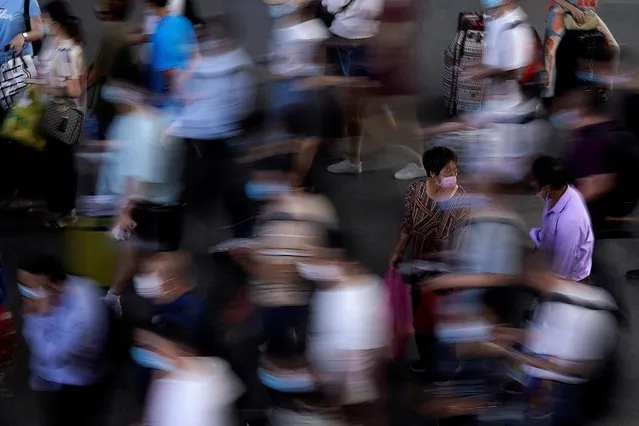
x=430, y=223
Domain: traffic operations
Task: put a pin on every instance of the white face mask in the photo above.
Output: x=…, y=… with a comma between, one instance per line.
x=148, y=285
x=326, y=273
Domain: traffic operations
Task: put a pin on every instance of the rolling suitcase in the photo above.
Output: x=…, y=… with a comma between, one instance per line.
x=89, y=249
x=465, y=50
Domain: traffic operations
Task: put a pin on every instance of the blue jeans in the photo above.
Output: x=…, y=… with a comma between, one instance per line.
x=284, y=95
x=553, y=403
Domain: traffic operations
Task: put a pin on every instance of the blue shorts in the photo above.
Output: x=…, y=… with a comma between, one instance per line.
x=284, y=95
x=352, y=60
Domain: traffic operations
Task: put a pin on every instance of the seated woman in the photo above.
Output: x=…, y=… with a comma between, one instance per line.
x=583, y=14
x=433, y=211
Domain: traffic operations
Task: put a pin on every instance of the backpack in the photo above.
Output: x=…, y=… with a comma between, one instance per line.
x=532, y=78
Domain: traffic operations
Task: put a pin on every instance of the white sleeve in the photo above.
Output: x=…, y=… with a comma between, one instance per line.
x=518, y=48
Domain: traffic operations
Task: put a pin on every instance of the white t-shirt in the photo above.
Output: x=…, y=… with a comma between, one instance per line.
x=573, y=333
x=202, y=394
x=508, y=48
x=294, y=48
x=345, y=322
x=358, y=21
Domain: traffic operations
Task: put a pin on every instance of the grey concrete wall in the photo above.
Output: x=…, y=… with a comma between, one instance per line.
x=438, y=24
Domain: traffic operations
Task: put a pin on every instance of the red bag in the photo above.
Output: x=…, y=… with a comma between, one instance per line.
x=425, y=317
x=401, y=310
x=8, y=339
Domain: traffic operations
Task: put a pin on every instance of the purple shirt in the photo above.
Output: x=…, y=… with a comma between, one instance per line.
x=566, y=234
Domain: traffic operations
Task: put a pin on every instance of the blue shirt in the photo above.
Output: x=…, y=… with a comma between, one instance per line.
x=187, y=312
x=12, y=24
x=67, y=345
x=219, y=93
x=172, y=46
x=145, y=155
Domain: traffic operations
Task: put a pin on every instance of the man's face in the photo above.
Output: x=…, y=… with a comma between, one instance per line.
x=40, y=284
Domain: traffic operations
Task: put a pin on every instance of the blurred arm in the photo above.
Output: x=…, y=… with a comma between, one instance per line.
x=594, y=187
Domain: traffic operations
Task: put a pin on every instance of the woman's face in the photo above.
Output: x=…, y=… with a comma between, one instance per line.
x=449, y=170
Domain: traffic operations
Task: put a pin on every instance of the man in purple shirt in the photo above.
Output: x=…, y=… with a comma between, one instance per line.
x=566, y=231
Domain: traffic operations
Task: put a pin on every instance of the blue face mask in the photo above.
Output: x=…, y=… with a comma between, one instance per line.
x=492, y=4
x=148, y=359
x=30, y=293
x=564, y=119
x=265, y=190
x=280, y=10
x=295, y=384
x=109, y=94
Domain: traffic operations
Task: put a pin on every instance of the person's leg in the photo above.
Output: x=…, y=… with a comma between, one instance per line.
x=347, y=60
x=230, y=177
x=555, y=31
x=62, y=183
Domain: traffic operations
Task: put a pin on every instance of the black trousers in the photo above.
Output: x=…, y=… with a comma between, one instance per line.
x=61, y=178
x=213, y=170
x=74, y=405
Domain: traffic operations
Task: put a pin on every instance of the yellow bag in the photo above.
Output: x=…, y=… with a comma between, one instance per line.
x=22, y=120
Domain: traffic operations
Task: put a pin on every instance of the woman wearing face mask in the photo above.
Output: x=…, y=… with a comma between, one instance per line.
x=62, y=74
x=566, y=230
x=349, y=333
x=186, y=387
x=433, y=212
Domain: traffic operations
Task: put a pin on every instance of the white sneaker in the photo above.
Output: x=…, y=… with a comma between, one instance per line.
x=410, y=172
x=345, y=167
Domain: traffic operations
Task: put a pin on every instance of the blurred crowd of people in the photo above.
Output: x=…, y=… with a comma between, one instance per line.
x=512, y=325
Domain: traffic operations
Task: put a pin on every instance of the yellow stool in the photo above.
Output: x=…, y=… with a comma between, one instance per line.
x=89, y=250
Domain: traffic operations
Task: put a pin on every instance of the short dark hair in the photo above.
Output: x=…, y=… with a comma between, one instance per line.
x=118, y=10
x=435, y=159
x=550, y=171
x=159, y=3
x=44, y=265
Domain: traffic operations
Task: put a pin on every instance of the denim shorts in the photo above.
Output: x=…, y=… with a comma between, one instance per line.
x=284, y=95
x=351, y=61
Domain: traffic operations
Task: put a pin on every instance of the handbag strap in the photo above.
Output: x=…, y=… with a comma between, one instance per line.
x=27, y=15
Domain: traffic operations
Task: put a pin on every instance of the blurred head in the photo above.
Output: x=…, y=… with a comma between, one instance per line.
x=440, y=164
x=549, y=176
x=158, y=7
x=160, y=348
x=125, y=94
x=164, y=277
x=497, y=7
x=216, y=37
x=330, y=263
x=40, y=277
x=113, y=10
x=61, y=23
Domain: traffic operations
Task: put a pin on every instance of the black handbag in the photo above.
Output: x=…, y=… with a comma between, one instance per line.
x=62, y=121
x=327, y=17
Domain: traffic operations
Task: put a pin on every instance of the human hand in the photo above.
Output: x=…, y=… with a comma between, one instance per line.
x=473, y=73
x=439, y=283
x=125, y=222
x=112, y=300
x=17, y=44
x=396, y=259
x=578, y=15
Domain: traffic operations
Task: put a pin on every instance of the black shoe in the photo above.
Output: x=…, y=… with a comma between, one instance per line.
x=633, y=274
x=418, y=367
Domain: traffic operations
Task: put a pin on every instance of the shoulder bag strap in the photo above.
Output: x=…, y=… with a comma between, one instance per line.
x=343, y=8
x=27, y=15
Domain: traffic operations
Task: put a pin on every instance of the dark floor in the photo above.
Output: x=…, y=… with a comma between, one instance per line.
x=369, y=207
